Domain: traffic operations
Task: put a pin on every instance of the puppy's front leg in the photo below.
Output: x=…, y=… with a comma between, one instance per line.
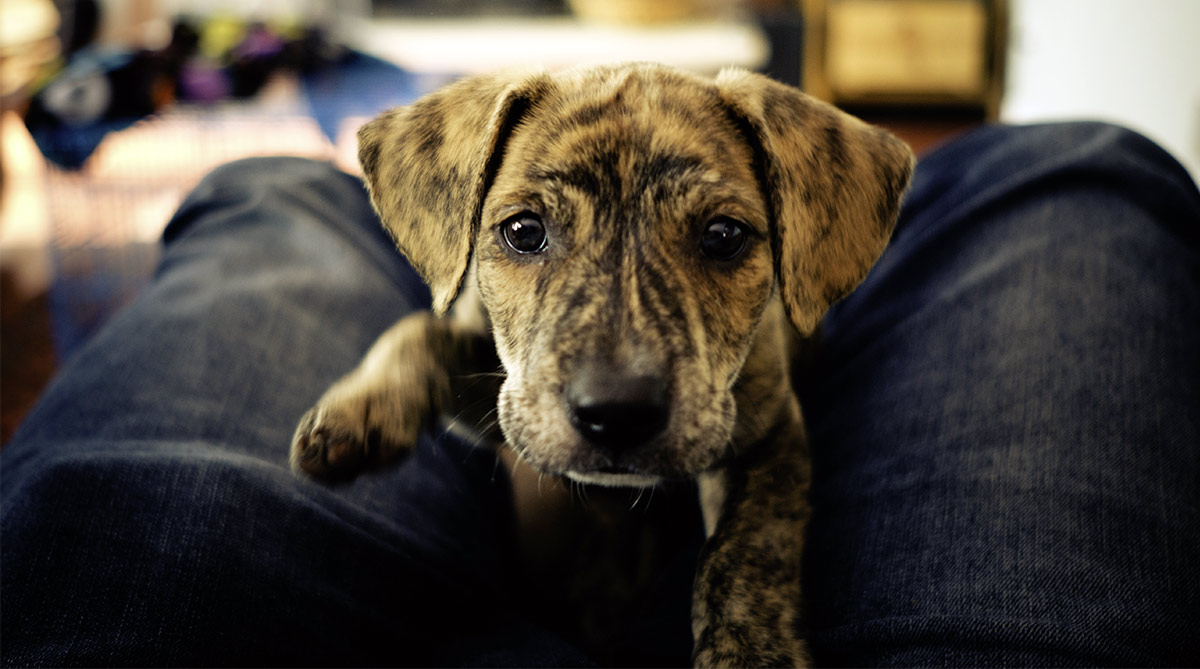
x=747, y=602
x=374, y=414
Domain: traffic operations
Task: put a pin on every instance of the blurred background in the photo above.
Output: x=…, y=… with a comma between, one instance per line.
x=113, y=109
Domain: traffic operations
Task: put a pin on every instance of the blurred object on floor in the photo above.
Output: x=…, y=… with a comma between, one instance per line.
x=925, y=69
x=783, y=24
x=102, y=89
x=907, y=54
x=27, y=359
x=464, y=8
x=29, y=45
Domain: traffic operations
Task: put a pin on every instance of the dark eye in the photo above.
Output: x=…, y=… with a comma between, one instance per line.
x=524, y=233
x=724, y=238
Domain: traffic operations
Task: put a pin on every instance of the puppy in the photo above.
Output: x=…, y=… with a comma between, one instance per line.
x=637, y=249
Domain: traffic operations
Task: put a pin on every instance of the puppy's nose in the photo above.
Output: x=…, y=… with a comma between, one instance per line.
x=617, y=410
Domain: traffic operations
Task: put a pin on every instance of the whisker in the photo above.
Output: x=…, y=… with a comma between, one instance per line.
x=640, y=491
x=583, y=494
x=485, y=423
x=496, y=467
x=475, y=376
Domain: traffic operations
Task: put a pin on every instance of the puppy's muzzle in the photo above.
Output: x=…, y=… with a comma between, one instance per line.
x=617, y=410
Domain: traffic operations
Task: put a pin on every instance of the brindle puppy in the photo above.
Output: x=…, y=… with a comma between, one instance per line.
x=639, y=248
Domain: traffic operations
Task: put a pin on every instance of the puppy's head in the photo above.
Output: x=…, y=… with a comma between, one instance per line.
x=637, y=233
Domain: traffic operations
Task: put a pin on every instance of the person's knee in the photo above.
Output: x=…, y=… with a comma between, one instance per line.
x=272, y=185
x=997, y=168
x=1114, y=147
x=252, y=174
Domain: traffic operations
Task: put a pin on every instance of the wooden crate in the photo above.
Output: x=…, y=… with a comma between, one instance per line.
x=906, y=52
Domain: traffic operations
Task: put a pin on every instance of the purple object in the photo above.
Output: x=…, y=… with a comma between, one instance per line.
x=202, y=81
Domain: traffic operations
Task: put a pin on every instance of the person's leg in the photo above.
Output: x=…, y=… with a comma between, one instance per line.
x=148, y=514
x=1006, y=415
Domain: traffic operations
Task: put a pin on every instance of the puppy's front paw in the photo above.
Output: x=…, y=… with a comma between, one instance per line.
x=341, y=437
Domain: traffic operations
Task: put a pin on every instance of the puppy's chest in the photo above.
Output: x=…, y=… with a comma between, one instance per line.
x=609, y=570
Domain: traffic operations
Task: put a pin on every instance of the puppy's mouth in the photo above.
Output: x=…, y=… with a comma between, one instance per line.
x=614, y=477
x=615, y=430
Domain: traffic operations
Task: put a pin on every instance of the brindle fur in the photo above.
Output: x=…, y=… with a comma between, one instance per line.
x=626, y=165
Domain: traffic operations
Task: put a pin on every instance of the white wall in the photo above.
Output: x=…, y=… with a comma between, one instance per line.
x=1136, y=62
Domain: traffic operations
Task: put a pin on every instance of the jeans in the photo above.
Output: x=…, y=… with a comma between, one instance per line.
x=1004, y=420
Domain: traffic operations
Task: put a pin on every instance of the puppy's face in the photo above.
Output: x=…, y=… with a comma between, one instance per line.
x=624, y=258
x=639, y=237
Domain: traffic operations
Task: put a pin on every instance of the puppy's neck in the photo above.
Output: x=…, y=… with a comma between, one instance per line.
x=763, y=390
x=591, y=557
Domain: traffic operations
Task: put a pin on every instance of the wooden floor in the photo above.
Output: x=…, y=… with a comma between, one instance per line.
x=27, y=359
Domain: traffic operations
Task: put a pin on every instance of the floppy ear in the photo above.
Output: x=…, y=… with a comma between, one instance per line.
x=833, y=183
x=428, y=167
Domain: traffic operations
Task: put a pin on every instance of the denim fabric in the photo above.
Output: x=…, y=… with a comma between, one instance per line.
x=1003, y=417
x=149, y=517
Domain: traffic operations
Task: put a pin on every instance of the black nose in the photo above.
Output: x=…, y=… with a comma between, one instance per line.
x=617, y=410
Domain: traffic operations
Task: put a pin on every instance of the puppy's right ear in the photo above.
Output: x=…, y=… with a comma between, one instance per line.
x=428, y=167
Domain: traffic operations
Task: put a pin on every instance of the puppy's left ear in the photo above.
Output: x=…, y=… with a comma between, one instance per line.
x=833, y=182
